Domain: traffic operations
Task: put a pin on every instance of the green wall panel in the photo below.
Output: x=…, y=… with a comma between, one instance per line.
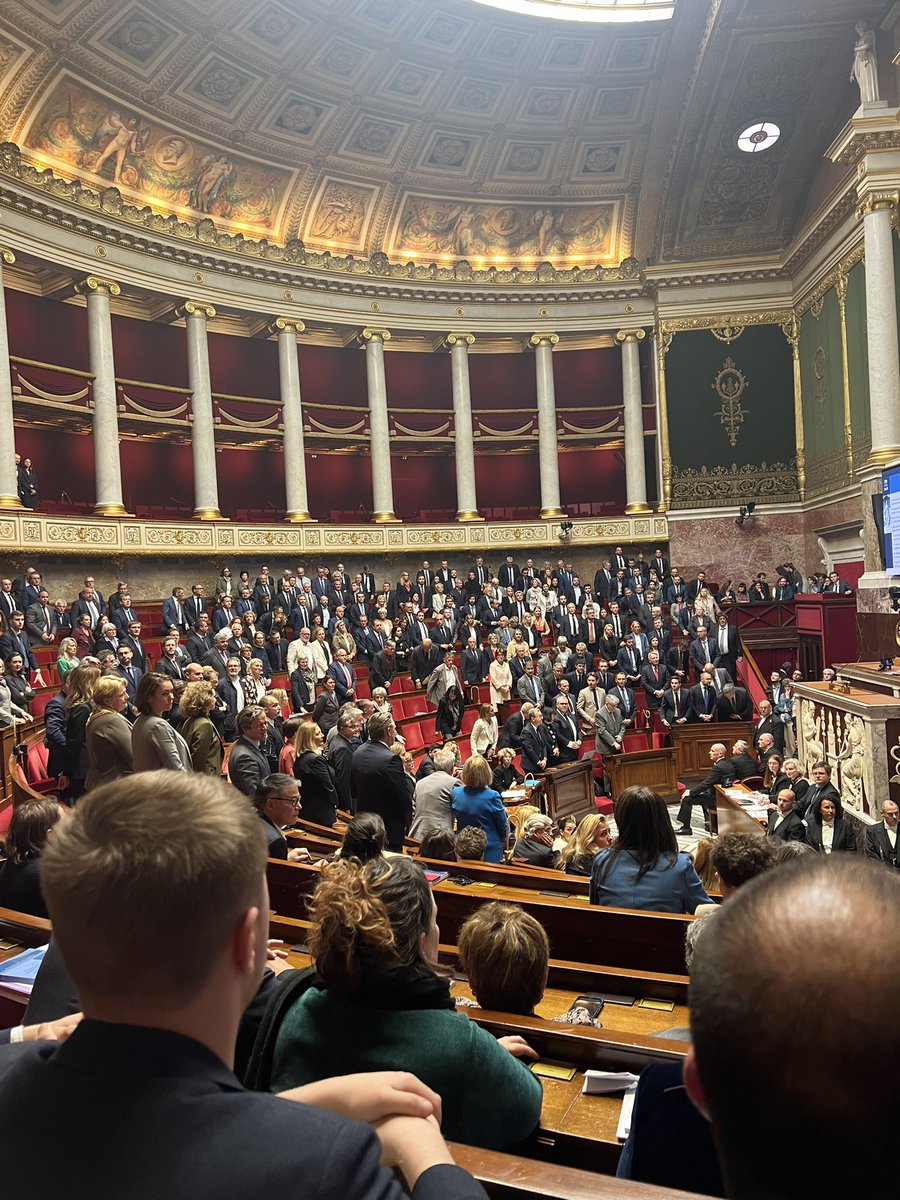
x=821, y=373
x=717, y=461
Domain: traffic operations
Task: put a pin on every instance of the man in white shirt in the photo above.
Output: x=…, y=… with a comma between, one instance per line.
x=881, y=838
x=784, y=823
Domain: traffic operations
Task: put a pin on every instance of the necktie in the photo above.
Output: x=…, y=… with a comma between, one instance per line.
x=705, y=699
x=47, y=620
x=131, y=674
x=347, y=676
x=675, y=704
x=706, y=649
x=534, y=690
x=656, y=674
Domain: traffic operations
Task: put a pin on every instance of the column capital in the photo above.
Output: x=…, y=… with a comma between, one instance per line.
x=7, y=256
x=367, y=335
x=196, y=308
x=287, y=325
x=543, y=339
x=630, y=335
x=876, y=202
x=458, y=339
x=98, y=286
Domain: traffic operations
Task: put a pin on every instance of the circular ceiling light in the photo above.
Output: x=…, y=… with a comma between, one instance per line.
x=623, y=11
x=758, y=137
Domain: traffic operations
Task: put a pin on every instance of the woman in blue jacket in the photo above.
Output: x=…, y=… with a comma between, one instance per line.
x=476, y=803
x=644, y=869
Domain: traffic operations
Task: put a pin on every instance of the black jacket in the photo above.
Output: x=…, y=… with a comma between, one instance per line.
x=378, y=781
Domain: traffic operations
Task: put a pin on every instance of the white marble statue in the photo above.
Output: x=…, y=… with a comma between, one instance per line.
x=852, y=760
x=865, y=65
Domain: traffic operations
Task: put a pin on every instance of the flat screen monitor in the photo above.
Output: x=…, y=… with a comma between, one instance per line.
x=889, y=524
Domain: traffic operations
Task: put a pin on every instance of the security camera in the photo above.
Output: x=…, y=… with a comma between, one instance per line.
x=565, y=530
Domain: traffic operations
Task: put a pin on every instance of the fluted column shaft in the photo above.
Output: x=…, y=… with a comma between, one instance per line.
x=296, y=495
x=203, y=437
x=379, y=430
x=635, y=464
x=464, y=442
x=9, y=484
x=105, y=428
x=548, y=454
x=881, y=323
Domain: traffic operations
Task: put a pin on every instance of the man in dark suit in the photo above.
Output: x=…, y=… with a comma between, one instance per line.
x=654, y=679
x=881, y=838
x=132, y=637
x=131, y=674
x=728, y=645
x=784, y=823
x=341, y=747
x=511, y=732
x=378, y=781
x=721, y=773
x=199, y=641
x=820, y=788
x=676, y=707
x=384, y=666
x=745, y=764
x=344, y=678
x=153, y=1058
x=248, y=765
x=40, y=620
x=124, y=615
x=702, y=652
x=173, y=659
x=474, y=664
x=539, y=750
x=629, y=661
x=230, y=691
x=734, y=704
x=217, y=658
x=8, y=602
x=704, y=698
x=764, y=725
x=174, y=614
x=276, y=652
x=566, y=734
x=15, y=641
x=423, y=661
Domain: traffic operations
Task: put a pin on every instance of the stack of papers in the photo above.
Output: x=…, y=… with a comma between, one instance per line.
x=601, y=1083
x=18, y=973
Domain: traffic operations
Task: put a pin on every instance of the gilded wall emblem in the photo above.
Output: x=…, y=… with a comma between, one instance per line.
x=730, y=386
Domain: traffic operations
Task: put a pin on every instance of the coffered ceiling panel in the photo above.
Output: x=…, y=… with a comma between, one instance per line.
x=437, y=130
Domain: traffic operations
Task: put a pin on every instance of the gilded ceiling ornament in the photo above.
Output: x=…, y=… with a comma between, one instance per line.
x=816, y=307
x=727, y=333
x=730, y=385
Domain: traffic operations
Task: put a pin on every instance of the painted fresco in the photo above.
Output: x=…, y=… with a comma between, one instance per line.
x=102, y=141
x=510, y=231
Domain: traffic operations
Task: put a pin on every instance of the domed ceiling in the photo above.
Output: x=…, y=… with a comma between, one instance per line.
x=438, y=130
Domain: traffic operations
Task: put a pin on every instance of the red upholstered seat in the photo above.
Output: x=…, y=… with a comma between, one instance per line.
x=40, y=702
x=634, y=742
x=412, y=735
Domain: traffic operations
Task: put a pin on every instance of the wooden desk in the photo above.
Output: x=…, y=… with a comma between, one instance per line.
x=577, y=931
x=732, y=818
x=692, y=742
x=644, y=768
x=509, y=1177
x=569, y=789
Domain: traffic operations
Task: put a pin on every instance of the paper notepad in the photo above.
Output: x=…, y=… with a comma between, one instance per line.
x=22, y=968
x=601, y=1083
x=624, y=1127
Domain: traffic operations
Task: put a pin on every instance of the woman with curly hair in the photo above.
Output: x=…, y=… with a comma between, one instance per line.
x=379, y=1003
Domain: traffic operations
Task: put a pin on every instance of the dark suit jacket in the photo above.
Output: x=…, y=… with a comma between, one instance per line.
x=652, y=685
x=878, y=846
x=511, y=733
x=685, y=706
x=697, y=700
x=17, y=643
x=382, y=671
x=844, y=836
x=166, y=1095
x=378, y=781
x=212, y=658
x=697, y=656
x=745, y=765
x=340, y=755
x=138, y=654
x=247, y=766
x=537, y=743
x=791, y=828
x=302, y=694
x=814, y=793
x=721, y=774
x=740, y=710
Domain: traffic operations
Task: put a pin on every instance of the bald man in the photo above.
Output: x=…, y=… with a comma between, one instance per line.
x=789, y=942
x=721, y=773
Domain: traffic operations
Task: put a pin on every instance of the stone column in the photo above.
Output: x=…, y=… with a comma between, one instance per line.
x=9, y=484
x=203, y=435
x=635, y=465
x=881, y=321
x=663, y=342
x=791, y=330
x=107, y=465
x=379, y=431
x=292, y=419
x=464, y=443
x=548, y=451
x=841, y=289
